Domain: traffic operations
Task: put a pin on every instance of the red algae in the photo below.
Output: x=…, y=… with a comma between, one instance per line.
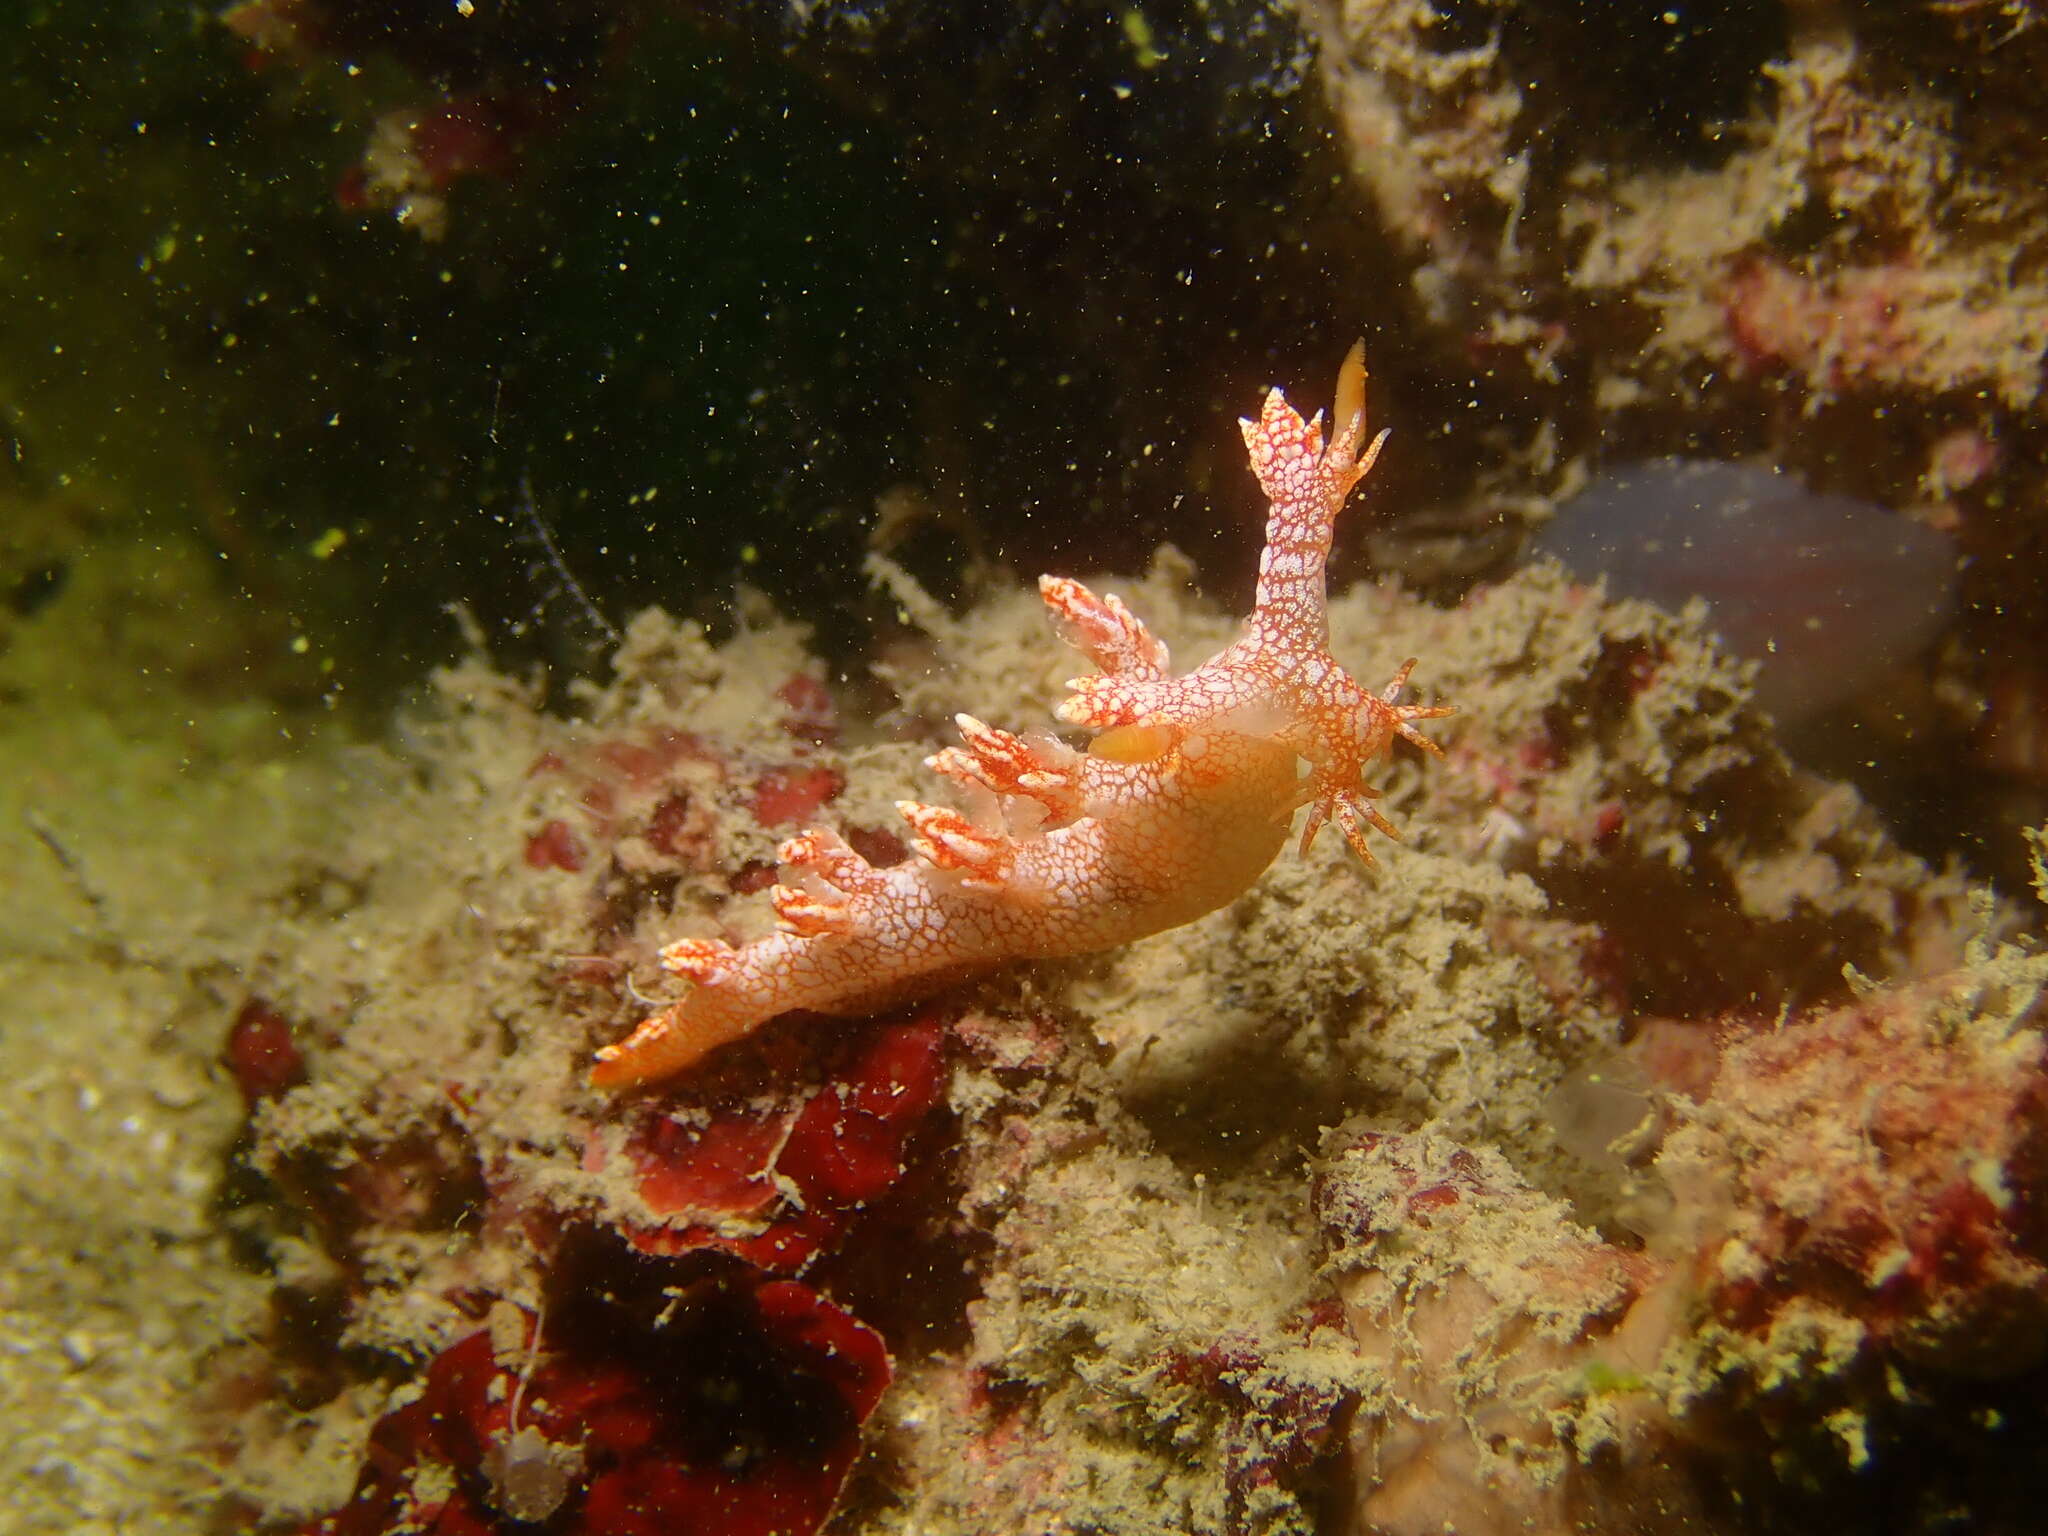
x=741, y=1416
x=774, y=1186
x=261, y=1053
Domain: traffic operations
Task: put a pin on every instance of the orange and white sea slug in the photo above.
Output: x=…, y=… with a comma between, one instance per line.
x=1179, y=803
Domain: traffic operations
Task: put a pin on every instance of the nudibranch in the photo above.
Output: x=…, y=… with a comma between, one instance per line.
x=1181, y=800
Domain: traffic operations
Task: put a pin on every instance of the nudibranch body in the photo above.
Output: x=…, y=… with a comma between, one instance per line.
x=1182, y=799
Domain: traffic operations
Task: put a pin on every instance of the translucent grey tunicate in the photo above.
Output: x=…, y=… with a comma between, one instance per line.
x=1827, y=592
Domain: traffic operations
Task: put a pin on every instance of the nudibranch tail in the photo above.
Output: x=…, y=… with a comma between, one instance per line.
x=683, y=1033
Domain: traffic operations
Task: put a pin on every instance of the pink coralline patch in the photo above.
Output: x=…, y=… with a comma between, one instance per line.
x=1960, y=459
x=261, y=1054
x=724, y=1172
x=476, y=85
x=812, y=716
x=425, y=1179
x=1846, y=325
x=1891, y=1163
x=1609, y=818
x=1888, y=325
x=790, y=794
x=738, y=1414
x=1679, y=1056
x=1415, y=1186
x=1853, y=1192
x=417, y=153
x=659, y=785
x=655, y=795
x=421, y=1181
x=647, y=764
x=1278, y=1423
x=292, y=29
x=1540, y=754
x=477, y=136
x=554, y=846
x=1407, y=1190
x=681, y=827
